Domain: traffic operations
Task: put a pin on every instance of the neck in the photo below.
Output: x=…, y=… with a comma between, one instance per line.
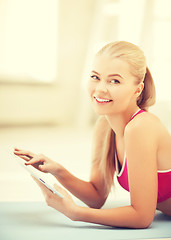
x=119, y=121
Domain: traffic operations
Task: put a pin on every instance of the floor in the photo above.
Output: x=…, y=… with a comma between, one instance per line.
x=30, y=220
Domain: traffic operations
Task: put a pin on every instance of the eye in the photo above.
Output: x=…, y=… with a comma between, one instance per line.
x=95, y=77
x=114, y=81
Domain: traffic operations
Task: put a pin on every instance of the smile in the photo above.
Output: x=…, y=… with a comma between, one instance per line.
x=102, y=100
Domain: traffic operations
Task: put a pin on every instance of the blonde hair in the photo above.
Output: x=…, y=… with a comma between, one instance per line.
x=136, y=59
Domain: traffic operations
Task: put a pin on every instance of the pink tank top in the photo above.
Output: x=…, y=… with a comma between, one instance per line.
x=164, y=177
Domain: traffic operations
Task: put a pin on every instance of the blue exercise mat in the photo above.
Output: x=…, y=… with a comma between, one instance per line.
x=35, y=220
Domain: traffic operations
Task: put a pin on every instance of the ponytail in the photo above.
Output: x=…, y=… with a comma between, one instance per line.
x=107, y=164
x=148, y=96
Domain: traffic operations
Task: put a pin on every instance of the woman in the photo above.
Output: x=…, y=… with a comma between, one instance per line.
x=128, y=140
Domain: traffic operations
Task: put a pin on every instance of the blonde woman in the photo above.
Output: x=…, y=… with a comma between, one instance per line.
x=128, y=141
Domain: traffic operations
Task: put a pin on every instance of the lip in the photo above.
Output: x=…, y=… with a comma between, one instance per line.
x=102, y=100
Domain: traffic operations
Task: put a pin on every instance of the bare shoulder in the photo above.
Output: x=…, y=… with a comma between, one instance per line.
x=145, y=128
x=144, y=123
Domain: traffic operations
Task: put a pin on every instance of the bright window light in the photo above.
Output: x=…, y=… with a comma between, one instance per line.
x=28, y=40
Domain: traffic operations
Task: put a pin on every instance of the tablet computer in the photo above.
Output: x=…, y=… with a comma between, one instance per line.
x=33, y=172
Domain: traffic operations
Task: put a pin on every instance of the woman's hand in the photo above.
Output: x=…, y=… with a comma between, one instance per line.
x=64, y=205
x=39, y=161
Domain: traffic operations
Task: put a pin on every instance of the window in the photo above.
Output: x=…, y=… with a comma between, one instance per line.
x=28, y=41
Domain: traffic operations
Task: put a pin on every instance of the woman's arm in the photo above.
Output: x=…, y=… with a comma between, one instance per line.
x=141, y=143
x=116, y=217
x=141, y=148
x=92, y=193
x=85, y=191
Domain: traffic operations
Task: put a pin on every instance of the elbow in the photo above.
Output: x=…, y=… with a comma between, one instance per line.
x=144, y=222
x=143, y=217
x=97, y=204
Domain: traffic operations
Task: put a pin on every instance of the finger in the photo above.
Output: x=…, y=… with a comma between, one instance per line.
x=24, y=157
x=36, y=165
x=27, y=158
x=17, y=149
x=42, y=168
x=24, y=152
x=34, y=160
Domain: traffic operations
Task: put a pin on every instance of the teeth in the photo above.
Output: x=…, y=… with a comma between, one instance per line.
x=102, y=100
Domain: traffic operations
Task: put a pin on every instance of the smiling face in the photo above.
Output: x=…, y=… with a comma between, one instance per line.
x=112, y=87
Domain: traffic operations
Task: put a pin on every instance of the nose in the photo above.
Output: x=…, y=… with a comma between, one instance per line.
x=101, y=86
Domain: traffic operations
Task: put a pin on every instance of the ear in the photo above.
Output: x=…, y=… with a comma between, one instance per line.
x=139, y=89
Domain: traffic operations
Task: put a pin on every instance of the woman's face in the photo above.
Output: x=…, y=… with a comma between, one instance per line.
x=112, y=87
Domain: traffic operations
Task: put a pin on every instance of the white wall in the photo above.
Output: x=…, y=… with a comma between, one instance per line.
x=54, y=103
x=82, y=26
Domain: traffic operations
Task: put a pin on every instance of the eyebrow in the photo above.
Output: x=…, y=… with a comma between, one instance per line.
x=110, y=75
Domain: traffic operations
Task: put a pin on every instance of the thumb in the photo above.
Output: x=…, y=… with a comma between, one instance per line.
x=42, y=168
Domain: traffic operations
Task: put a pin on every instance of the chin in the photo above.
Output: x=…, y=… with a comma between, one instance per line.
x=102, y=112
x=108, y=112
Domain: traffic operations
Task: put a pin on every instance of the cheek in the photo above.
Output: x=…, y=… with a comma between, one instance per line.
x=122, y=94
x=117, y=92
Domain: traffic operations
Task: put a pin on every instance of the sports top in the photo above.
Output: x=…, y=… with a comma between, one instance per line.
x=164, y=176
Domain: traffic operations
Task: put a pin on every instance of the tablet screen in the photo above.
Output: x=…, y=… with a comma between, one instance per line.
x=34, y=173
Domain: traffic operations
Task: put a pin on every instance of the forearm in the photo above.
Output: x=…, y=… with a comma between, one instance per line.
x=85, y=191
x=117, y=217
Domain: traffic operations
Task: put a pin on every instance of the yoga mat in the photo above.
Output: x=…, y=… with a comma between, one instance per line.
x=35, y=220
